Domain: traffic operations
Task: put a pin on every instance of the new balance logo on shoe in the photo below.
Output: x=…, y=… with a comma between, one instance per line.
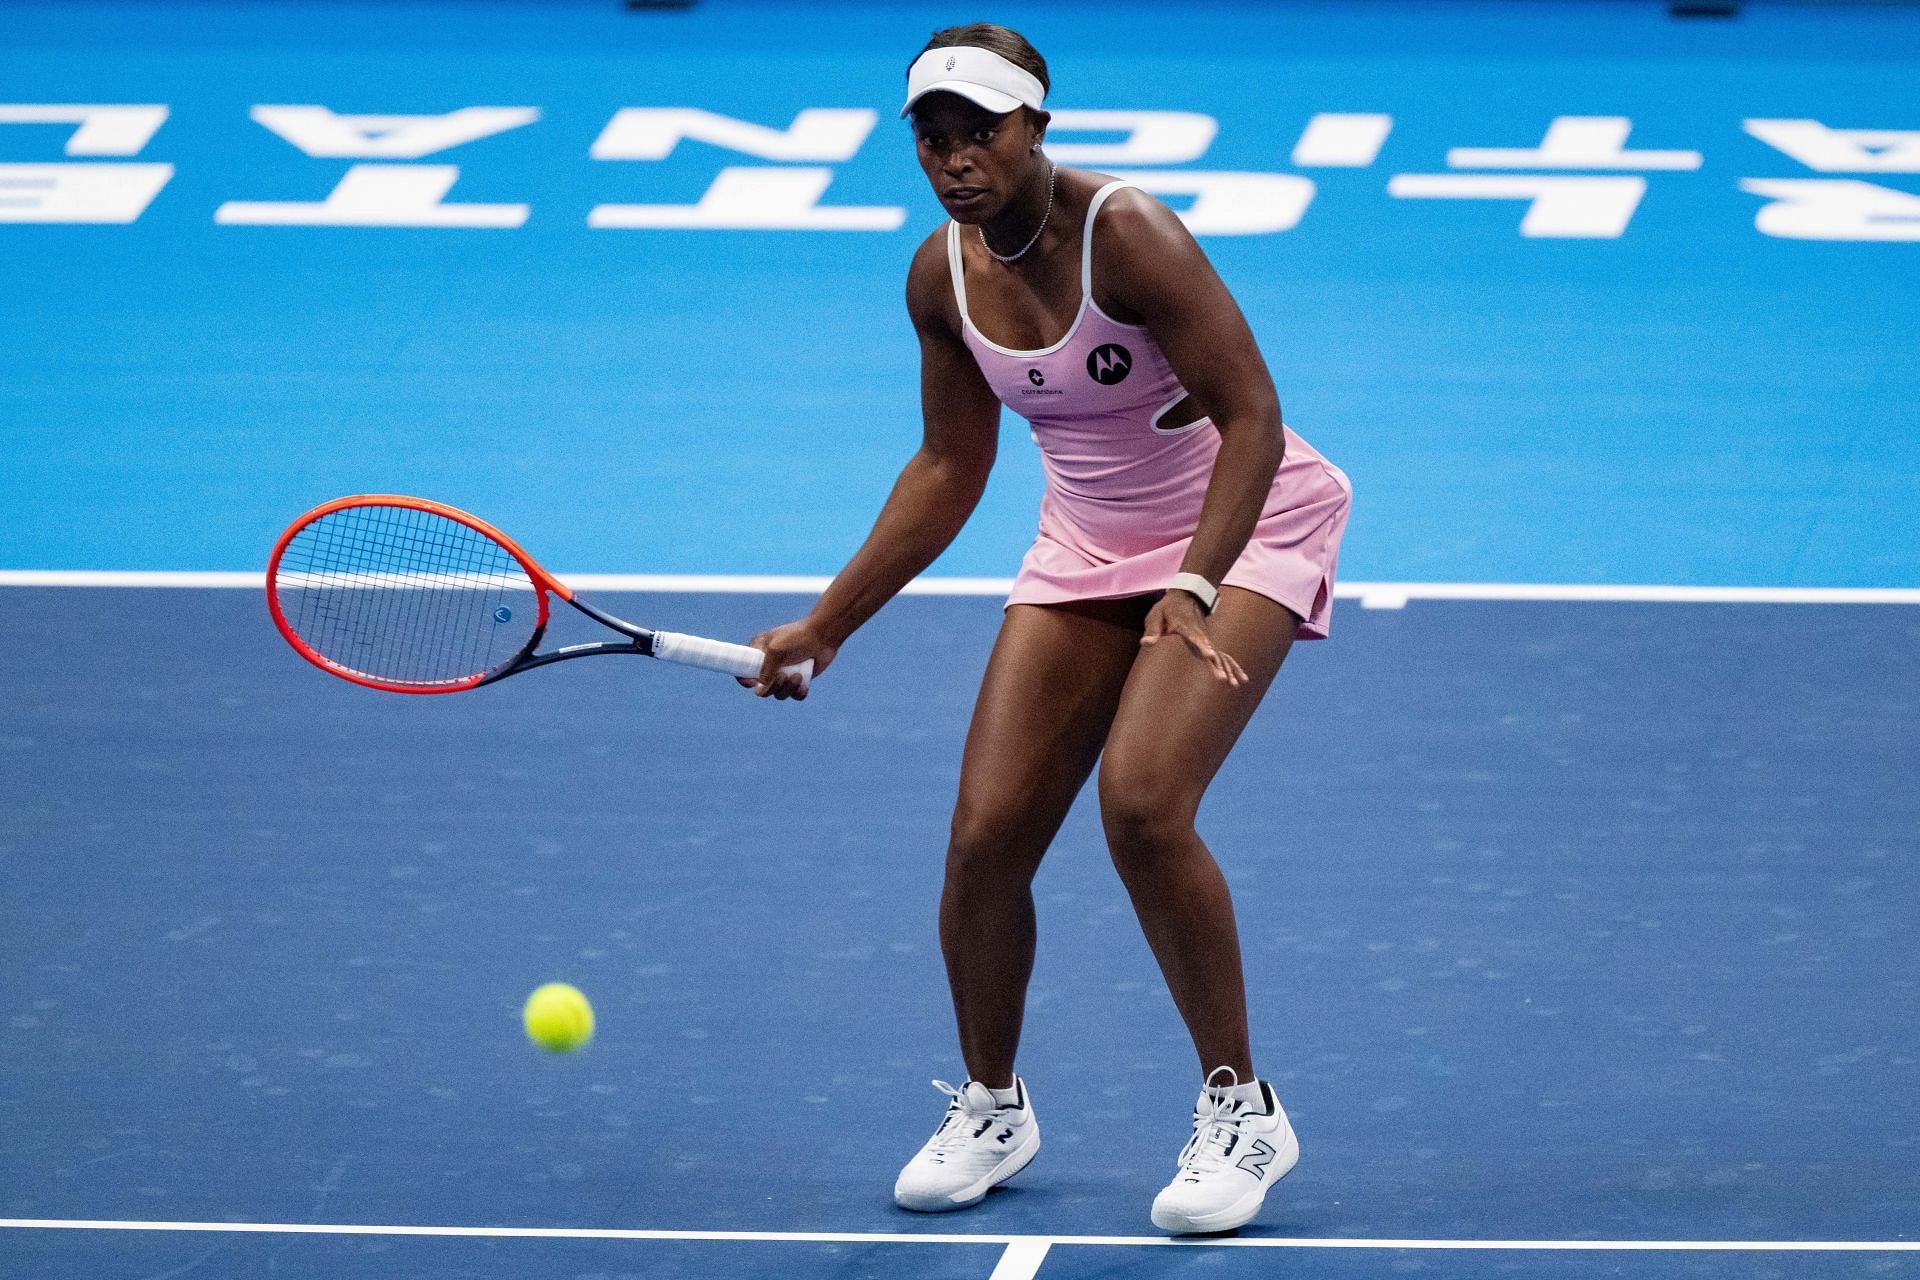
x=1231, y=1144
x=979, y=1144
x=1256, y=1161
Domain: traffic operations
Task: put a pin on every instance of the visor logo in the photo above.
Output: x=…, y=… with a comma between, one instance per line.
x=950, y=61
x=1109, y=364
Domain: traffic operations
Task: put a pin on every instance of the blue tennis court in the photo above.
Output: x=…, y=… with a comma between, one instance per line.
x=1562, y=921
x=1576, y=874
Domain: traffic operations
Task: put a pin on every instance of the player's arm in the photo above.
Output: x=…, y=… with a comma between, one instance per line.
x=936, y=492
x=1158, y=271
x=942, y=483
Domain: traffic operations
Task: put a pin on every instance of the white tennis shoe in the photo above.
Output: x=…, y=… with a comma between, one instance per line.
x=978, y=1145
x=1235, y=1154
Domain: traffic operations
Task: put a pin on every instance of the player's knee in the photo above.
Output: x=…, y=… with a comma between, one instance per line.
x=985, y=844
x=1143, y=812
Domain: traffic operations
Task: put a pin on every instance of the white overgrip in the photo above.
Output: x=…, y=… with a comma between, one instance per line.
x=718, y=655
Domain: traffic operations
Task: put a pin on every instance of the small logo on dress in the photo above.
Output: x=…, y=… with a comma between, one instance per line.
x=950, y=62
x=1037, y=378
x=1109, y=364
x=503, y=614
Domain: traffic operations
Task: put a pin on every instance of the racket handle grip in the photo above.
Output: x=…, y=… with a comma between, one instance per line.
x=718, y=655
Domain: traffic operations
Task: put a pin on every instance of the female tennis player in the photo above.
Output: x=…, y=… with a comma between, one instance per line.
x=1186, y=539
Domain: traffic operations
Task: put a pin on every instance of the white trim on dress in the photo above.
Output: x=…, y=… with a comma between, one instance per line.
x=958, y=271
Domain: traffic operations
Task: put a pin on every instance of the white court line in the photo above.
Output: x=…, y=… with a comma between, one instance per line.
x=1392, y=595
x=1021, y=1259
x=1371, y=595
x=1029, y=1247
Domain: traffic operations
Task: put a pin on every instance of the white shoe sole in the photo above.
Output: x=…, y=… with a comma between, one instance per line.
x=975, y=1192
x=1241, y=1211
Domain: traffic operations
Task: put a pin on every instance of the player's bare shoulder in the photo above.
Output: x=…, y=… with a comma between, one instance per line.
x=1133, y=224
x=930, y=298
x=1144, y=255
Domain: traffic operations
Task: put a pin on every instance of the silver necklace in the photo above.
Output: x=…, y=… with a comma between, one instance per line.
x=1053, y=171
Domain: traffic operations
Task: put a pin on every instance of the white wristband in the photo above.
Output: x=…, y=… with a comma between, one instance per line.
x=1198, y=587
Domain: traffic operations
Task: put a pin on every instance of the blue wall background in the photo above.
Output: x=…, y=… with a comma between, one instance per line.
x=1693, y=402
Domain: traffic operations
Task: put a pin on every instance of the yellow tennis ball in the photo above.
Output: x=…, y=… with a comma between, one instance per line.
x=558, y=1018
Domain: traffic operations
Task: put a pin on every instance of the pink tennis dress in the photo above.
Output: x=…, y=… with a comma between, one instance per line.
x=1123, y=496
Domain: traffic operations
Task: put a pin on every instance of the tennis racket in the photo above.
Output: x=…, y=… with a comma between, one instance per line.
x=413, y=596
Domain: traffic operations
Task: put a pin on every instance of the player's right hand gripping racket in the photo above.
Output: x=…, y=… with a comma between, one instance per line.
x=414, y=596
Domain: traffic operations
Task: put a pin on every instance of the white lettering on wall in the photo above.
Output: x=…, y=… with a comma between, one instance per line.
x=1575, y=142
x=1827, y=150
x=103, y=131
x=1227, y=203
x=1575, y=208
x=79, y=192
x=1834, y=209
x=382, y=195
x=1152, y=137
x=1335, y=140
x=326, y=136
x=377, y=195
x=98, y=193
x=818, y=134
x=755, y=198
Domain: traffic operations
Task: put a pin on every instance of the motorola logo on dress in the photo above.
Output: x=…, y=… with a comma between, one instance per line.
x=1109, y=364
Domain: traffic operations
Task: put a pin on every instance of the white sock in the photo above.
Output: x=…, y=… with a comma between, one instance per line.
x=1249, y=1096
x=1006, y=1097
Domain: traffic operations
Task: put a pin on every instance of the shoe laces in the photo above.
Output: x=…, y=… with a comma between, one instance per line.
x=963, y=1124
x=1214, y=1129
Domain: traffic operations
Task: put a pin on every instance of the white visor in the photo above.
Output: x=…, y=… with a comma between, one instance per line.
x=978, y=75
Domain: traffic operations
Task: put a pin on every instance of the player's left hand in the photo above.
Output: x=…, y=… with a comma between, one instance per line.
x=1178, y=615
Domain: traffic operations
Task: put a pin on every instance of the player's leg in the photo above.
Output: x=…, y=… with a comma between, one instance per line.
x=1173, y=729
x=1044, y=709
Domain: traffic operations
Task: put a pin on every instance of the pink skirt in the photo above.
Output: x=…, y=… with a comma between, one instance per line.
x=1290, y=559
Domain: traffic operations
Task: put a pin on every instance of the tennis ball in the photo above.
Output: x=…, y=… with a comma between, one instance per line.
x=558, y=1018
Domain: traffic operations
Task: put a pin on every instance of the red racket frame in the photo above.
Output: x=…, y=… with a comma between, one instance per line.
x=542, y=580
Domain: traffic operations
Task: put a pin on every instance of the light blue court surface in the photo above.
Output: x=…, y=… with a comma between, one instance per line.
x=1670, y=393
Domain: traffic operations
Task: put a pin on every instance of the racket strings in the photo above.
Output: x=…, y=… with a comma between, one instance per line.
x=406, y=596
